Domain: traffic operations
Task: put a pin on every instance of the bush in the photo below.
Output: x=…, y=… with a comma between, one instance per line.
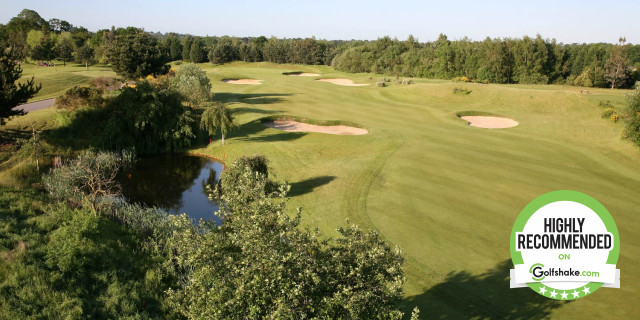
x=606, y=104
x=381, y=84
x=404, y=81
x=80, y=96
x=230, y=177
x=105, y=83
x=615, y=117
x=264, y=265
x=632, y=117
x=461, y=91
x=86, y=180
x=607, y=113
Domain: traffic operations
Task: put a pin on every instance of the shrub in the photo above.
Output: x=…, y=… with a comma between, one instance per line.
x=79, y=96
x=85, y=180
x=464, y=79
x=381, y=84
x=607, y=113
x=615, y=117
x=255, y=165
x=606, y=104
x=404, y=81
x=264, y=265
x=461, y=91
x=105, y=83
x=632, y=118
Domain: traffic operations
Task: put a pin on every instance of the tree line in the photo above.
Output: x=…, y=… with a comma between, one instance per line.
x=527, y=60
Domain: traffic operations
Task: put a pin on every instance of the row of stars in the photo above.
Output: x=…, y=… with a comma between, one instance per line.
x=564, y=294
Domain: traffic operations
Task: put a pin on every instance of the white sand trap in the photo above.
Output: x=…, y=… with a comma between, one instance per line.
x=490, y=122
x=293, y=126
x=344, y=82
x=303, y=74
x=242, y=81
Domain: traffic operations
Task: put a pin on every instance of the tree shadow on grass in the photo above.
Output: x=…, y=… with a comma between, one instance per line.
x=243, y=110
x=253, y=132
x=486, y=296
x=308, y=185
x=250, y=98
x=11, y=135
x=284, y=136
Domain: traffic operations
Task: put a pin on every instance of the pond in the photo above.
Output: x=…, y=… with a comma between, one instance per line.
x=175, y=183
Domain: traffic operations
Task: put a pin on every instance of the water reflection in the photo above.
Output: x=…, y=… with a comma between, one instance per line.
x=175, y=183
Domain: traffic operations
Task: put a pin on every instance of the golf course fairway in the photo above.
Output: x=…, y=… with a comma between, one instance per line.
x=444, y=192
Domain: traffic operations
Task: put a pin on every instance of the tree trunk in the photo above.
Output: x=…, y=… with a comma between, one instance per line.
x=86, y=65
x=223, y=139
x=35, y=147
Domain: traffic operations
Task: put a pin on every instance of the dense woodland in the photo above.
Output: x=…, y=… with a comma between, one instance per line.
x=525, y=60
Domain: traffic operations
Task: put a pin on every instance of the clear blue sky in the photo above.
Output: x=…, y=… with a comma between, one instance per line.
x=566, y=21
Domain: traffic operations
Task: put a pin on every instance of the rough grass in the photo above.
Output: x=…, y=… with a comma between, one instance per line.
x=55, y=80
x=446, y=193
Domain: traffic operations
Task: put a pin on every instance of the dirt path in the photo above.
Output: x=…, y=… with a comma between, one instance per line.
x=33, y=106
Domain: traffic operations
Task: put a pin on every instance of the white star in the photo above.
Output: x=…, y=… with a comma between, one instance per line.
x=576, y=294
x=542, y=290
x=553, y=293
x=586, y=290
x=564, y=295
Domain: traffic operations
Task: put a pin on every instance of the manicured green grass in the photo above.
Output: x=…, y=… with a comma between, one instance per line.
x=55, y=80
x=446, y=193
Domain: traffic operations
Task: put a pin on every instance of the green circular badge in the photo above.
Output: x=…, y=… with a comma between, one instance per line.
x=565, y=246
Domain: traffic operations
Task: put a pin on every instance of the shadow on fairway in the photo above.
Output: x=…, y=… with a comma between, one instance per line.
x=250, y=98
x=243, y=110
x=308, y=185
x=485, y=296
x=285, y=136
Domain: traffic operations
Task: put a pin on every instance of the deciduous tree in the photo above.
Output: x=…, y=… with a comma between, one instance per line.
x=217, y=117
x=135, y=54
x=616, y=68
x=84, y=55
x=193, y=83
x=64, y=50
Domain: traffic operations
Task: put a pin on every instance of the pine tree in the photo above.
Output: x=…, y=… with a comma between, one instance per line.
x=13, y=93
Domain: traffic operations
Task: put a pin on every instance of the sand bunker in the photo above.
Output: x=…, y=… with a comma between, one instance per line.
x=242, y=81
x=344, y=82
x=490, y=122
x=293, y=126
x=301, y=74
